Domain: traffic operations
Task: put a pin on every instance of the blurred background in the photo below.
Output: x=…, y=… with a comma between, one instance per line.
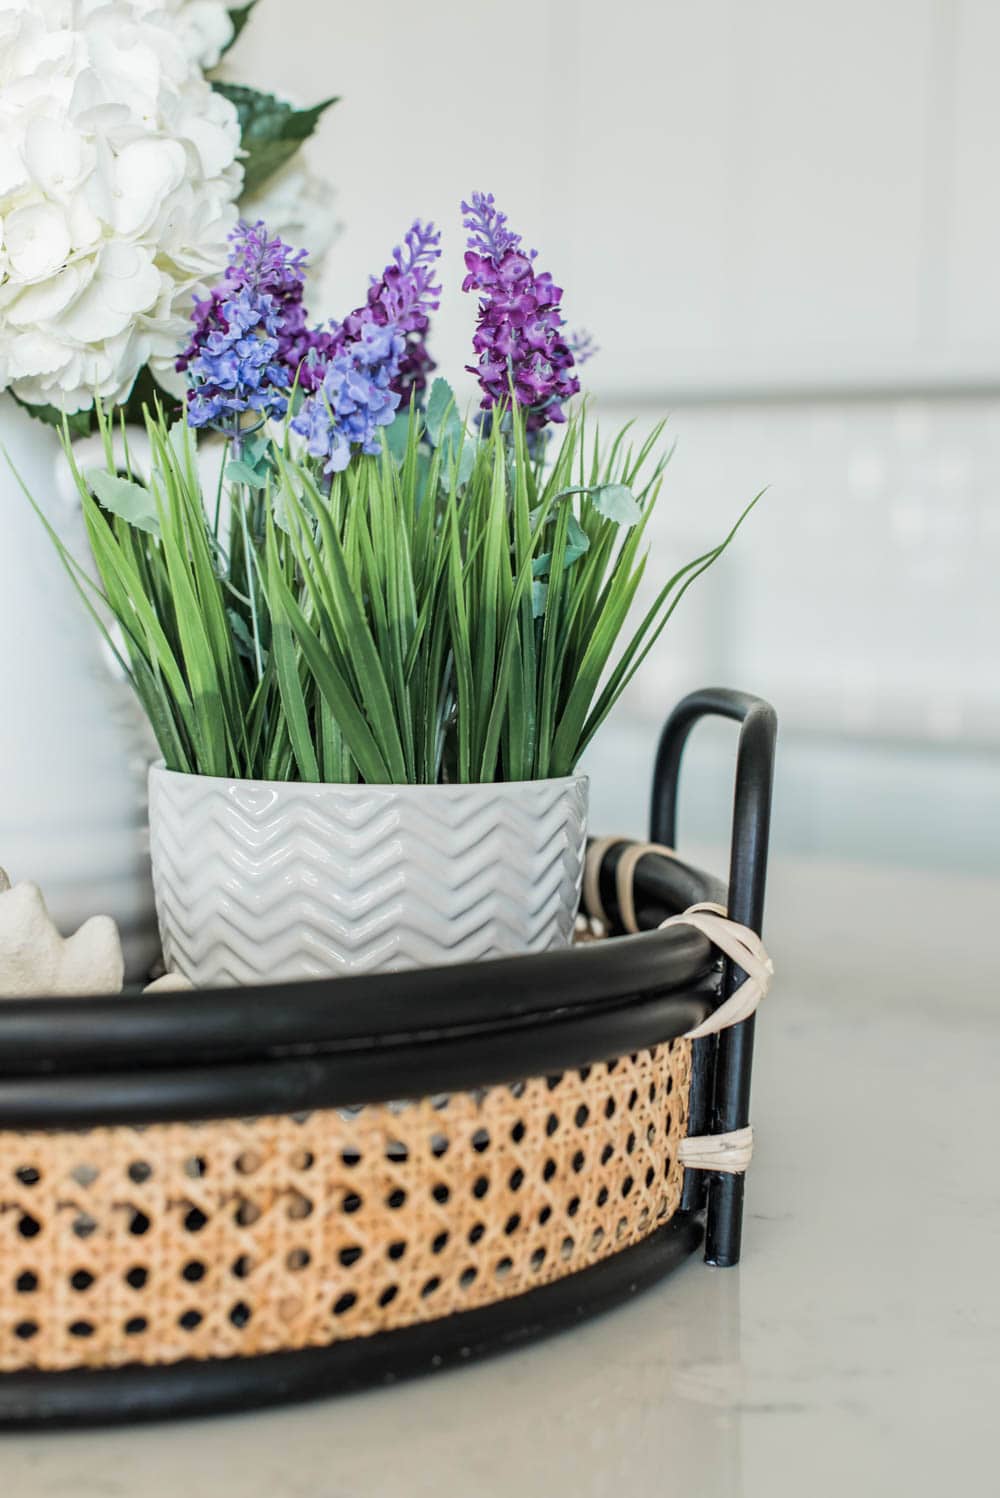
x=780, y=221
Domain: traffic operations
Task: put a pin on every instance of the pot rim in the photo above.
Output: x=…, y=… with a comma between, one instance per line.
x=158, y=768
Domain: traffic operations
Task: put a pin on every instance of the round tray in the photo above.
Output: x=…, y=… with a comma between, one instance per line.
x=246, y=1196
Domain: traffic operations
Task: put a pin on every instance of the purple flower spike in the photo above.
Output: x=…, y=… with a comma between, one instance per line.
x=245, y=345
x=405, y=294
x=518, y=336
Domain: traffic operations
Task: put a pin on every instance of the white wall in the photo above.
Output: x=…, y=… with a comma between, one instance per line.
x=735, y=193
x=772, y=199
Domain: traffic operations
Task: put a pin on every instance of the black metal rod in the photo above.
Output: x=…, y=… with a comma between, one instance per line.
x=747, y=880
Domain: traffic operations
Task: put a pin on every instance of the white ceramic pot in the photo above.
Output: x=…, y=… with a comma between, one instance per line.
x=74, y=747
x=259, y=881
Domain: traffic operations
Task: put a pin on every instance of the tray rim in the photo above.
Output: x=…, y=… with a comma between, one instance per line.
x=35, y=1400
x=348, y=1018
x=430, y=1066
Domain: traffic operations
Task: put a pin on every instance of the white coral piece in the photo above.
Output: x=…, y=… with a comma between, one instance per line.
x=36, y=961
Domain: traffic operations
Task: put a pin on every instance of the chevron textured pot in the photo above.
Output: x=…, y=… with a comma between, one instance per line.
x=258, y=880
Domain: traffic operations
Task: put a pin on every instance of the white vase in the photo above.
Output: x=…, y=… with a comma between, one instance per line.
x=74, y=747
x=260, y=881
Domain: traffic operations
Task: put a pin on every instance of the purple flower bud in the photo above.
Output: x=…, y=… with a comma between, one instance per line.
x=489, y=236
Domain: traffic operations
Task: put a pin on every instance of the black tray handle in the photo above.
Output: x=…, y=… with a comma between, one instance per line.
x=747, y=878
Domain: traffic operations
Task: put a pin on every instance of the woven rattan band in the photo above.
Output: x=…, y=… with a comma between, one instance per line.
x=239, y=1237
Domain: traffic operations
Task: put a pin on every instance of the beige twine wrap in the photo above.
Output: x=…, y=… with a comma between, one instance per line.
x=729, y=1152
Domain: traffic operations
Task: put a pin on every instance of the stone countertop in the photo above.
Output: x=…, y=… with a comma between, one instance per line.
x=856, y=1349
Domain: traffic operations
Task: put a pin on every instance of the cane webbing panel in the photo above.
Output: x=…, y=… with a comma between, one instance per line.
x=238, y=1237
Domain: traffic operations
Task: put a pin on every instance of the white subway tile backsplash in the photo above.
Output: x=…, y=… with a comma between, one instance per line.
x=862, y=598
x=864, y=590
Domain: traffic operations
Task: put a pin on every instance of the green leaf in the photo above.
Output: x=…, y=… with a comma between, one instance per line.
x=242, y=636
x=124, y=498
x=239, y=15
x=539, y=597
x=271, y=130
x=616, y=502
x=80, y=424
x=145, y=395
x=422, y=484
x=178, y=438
x=335, y=688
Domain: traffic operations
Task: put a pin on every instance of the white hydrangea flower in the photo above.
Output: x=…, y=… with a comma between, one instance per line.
x=204, y=26
x=118, y=180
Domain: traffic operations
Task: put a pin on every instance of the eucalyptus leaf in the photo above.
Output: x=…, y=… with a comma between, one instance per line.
x=271, y=130
x=177, y=439
x=240, y=472
x=616, y=502
x=279, y=509
x=577, y=545
x=255, y=448
x=397, y=434
x=122, y=497
x=577, y=541
x=446, y=430
x=466, y=462
x=443, y=421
